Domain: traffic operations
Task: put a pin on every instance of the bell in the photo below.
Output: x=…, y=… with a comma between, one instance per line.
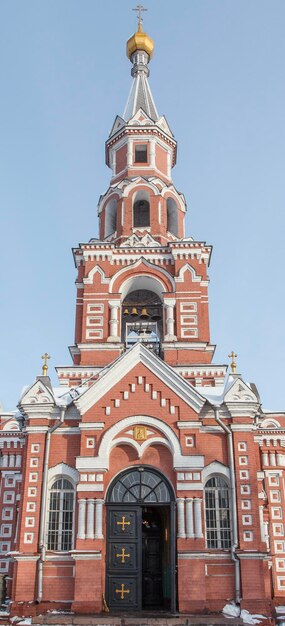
x=144, y=314
x=134, y=312
x=126, y=312
x=156, y=316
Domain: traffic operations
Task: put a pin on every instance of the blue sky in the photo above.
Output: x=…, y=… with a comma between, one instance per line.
x=218, y=76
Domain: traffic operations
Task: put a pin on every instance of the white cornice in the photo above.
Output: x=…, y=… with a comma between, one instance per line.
x=243, y=409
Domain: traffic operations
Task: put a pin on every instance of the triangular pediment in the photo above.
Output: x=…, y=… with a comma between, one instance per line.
x=118, y=124
x=38, y=394
x=163, y=124
x=141, y=117
x=239, y=391
x=140, y=355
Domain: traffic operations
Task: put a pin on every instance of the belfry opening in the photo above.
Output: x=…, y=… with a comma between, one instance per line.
x=141, y=538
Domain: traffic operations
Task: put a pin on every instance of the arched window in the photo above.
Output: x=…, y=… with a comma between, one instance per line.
x=141, y=210
x=60, y=515
x=110, y=218
x=172, y=216
x=140, y=486
x=217, y=509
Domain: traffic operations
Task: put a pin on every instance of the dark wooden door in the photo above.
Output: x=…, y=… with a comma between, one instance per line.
x=139, y=559
x=124, y=558
x=151, y=558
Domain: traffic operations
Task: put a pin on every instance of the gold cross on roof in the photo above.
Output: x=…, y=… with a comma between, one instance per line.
x=45, y=357
x=139, y=8
x=233, y=364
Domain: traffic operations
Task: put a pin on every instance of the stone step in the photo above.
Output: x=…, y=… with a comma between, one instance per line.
x=135, y=620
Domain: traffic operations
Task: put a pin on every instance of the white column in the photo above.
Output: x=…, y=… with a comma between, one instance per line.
x=169, y=305
x=5, y=460
x=180, y=518
x=272, y=459
x=198, y=517
x=169, y=164
x=261, y=521
x=152, y=153
x=159, y=212
x=12, y=460
x=18, y=460
x=81, y=518
x=90, y=518
x=265, y=461
x=129, y=153
x=114, y=308
x=114, y=162
x=99, y=518
x=280, y=459
x=189, y=518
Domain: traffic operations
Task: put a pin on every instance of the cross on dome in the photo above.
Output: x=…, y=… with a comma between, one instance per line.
x=139, y=8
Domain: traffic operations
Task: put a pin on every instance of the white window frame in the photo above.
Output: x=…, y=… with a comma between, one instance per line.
x=59, y=530
x=217, y=528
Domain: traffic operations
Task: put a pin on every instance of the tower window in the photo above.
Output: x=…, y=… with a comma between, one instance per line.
x=110, y=218
x=141, y=153
x=141, y=213
x=141, y=209
x=172, y=217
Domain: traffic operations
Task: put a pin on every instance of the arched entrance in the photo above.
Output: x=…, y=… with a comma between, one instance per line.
x=140, y=541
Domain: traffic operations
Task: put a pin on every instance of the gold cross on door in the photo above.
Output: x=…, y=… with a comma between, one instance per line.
x=123, y=523
x=122, y=591
x=123, y=556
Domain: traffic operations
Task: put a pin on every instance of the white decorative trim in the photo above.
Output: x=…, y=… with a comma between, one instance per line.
x=102, y=460
x=215, y=468
x=90, y=278
x=88, y=487
x=204, y=555
x=91, y=426
x=269, y=423
x=189, y=486
x=189, y=268
x=87, y=556
x=62, y=469
x=150, y=267
x=140, y=448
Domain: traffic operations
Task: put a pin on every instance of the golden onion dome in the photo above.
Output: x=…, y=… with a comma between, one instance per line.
x=140, y=41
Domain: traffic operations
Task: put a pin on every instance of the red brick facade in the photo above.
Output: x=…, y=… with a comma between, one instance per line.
x=146, y=442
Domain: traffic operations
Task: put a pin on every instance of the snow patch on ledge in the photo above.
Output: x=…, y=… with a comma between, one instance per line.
x=232, y=610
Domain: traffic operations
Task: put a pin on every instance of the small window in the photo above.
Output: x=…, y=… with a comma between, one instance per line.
x=60, y=518
x=141, y=154
x=217, y=507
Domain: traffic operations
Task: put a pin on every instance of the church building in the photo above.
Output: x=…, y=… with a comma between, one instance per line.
x=150, y=479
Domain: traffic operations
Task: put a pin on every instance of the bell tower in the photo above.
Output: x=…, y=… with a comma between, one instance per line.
x=143, y=279
x=141, y=151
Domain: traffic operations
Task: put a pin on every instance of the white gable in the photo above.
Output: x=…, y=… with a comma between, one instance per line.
x=141, y=117
x=240, y=392
x=38, y=394
x=118, y=123
x=123, y=365
x=164, y=125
